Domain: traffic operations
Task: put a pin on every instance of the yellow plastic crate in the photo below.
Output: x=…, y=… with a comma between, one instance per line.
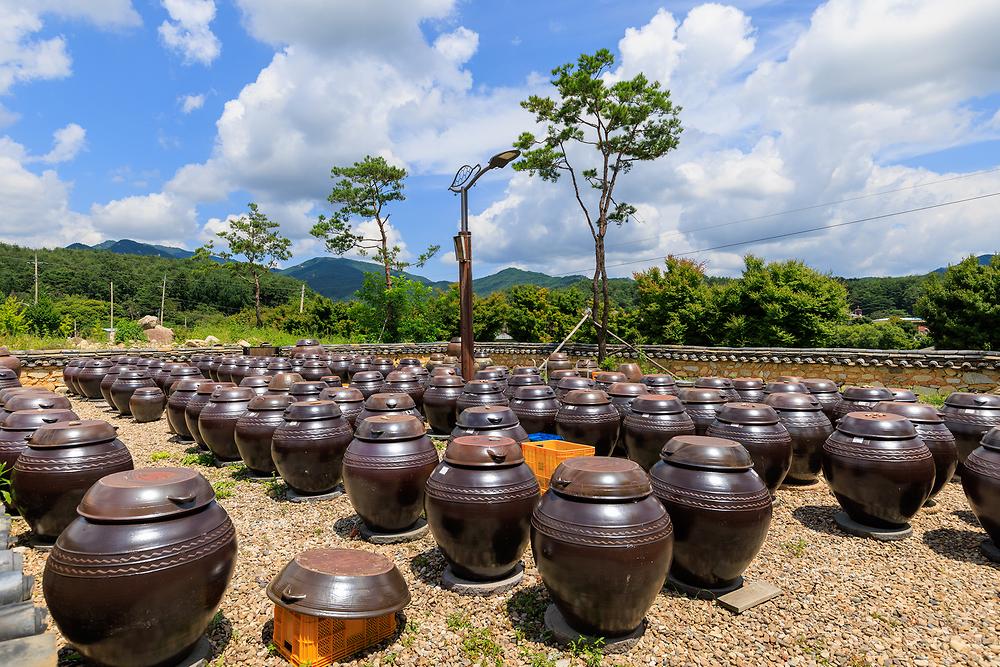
x=317, y=641
x=544, y=456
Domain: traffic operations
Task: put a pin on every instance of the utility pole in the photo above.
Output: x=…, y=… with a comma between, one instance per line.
x=112, y=306
x=36, y=278
x=302, y=299
x=163, y=298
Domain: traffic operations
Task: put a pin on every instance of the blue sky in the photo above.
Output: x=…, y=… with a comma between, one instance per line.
x=787, y=105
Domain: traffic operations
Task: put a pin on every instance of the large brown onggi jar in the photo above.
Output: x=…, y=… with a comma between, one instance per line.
x=314, y=369
x=878, y=468
x=586, y=365
x=807, y=425
x=383, y=365
x=860, y=399
x=558, y=361
x=70, y=371
x=386, y=467
x=632, y=371
x=203, y=362
x=162, y=374
x=278, y=366
x=723, y=385
x=498, y=420
x=256, y=383
x=652, y=421
x=108, y=380
x=404, y=382
x=480, y=392
x=493, y=374
x=622, y=395
x=308, y=448
x=254, y=429
x=587, y=417
x=309, y=346
x=226, y=369
x=88, y=379
x=213, y=367
x=388, y=404
x=749, y=389
x=522, y=380
x=554, y=376
x=602, y=544
x=720, y=508
x=780, y=386
x=604, y=379
x=357, y=365
x=572, y=383
x=350, y=401
x=981, y=483
x=146, y=404
x=182, y=392
x=177, y=373
x=61, y=462
x=701, y=405
x=367, y=382
x=526, y=370
x=660, y=383
x=306, y=390
x=756, y=426
x=478, y=503
x=128, y=381
x=901, y=395
x=969, y=416
x=536, y=407
x=8, y=360
x=932, y=430
x=257, y=368
x=21, y=424
x=339, y=363
x=826, y=392
x=8, y=378
x=217, y=421
x=137, y=577
x=197, y=403
x=281, y=383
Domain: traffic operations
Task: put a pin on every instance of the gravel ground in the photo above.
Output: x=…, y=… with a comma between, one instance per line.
x=931, y=599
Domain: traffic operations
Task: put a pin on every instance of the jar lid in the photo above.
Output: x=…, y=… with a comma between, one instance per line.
x=390, y=402
x=259, y=362
x=270, y=403
x=255, y=381
x=918, y=413
x=284, y=380
x=483, y=451
x=146, y=494
x=791, y=387
x=793, y=401
x=960, y=399
x=154, y=363
x=489, y=374
x=408, y=361
x=487, y=417
x=880, y=425
x=339, y=583
x=748, y=383
x=610, y=377
x=747, y=413
x=586, y=397
x=558, y=356
x=444, y=370
x=992, y=439
x=280, y=365
x=208, y=388
x=75, y=362
x=187, y=384
x=698, y=395
x=586, y=363
x=563, y=373
x=534, y=392
x=401, y=376
x=526, y=370
x=367, y=376
x=361, y=359
x=819, y=385
x=242, y=362
x=304, y=411
x=627, y=389
x=600, y=477
x=382, y=361
x=866, y=394
x=572, y=382
x=657, y=404
x=390, y=428
x=525, y=380
x=148, y=391
x=658, y=380
x=307, y=342
x=699, y=451
x=306, y=388
x=129, y=374
x=713, y=382
x=481, y=387
x=181, y=370
x=29, y=400
x=99, y=363
x=342, y=395
x=30, y=420
x=224, y=394
x=73, y=433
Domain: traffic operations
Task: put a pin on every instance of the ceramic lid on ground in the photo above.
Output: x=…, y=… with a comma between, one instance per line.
x=627, y=389
x=270, y=403
x=601, y=477
x=610, y=377
x=146, y=494
x=401, y=376
x=698, y=395
x=748, y=384
x=73, y=433
x=918, y=413
x=30, y=400
x=255, y=381
x=390, y=402
x=481, y=387
x=657, y=404
x=486, y=417
x=794, y=401
x=483, y=451
x=367, y=376
x=866, y=394
x=208, y=388
x=305, y=411
x=340, y=583
x=707, y=453
x=224, y=394
x=342, y=395
x=878, y=425
x=781, y=386
x=960, y=399
x=713, y=382
x=391, y=428
x=9, y=392
x=586, y=397
x=747, y=413
x=30, y=420
x=573, y=382
x=534, y=393
x=819, y=385
x=992, y=439
x=283, y=381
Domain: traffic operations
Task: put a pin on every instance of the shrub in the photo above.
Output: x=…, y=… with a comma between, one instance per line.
x=12, y=317
x=127, y=331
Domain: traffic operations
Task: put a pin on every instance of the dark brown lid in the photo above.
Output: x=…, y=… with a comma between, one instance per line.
x=562, y=373
x=866, y=394
x=284, y=380
x=693, y=395
x=155, y=363
x=188, y=384
x=992, y=439
x=481, y=387
x=390, y=401
x=73, y=433
x=305, y=411
x=961, y=399
x=259, y=362
x=789, y=378
x=489, y=374
x=30, y=420
x=390, y=428
x=255, y=381
x=748, y=384
x=486, y=417
x=146, y=494
x=207, y=388
x=657, y=404
x=610, y=377
x=793, y=402
x=342, y=395
x=526, y=370
x=445, y=381
x=99, y=363
x=307, y=342
x=361, y=359
x=918, y=413
x=75, y=362
x=224, y=394
x=778, y=387
x=586, y=397
x=483, y=451
x=524, y=380
x=183, y=370
x=534, y=392
x=382, y=361
x=699, y=451
x=148, y=391
x=280, y=365
x=902, y=395
x=306, y=388
x=713, y=382
x=819, y=385
x=401, y=376
x=368, y=376
x=572, y=382
x=408, y=361
x=270, y=403
x=627, y=389
x=340, y=583
x=558, y=356
x=242, y=362
x=444, y=370
x=600, y=477
x=747, y=413
x=31, y=400
x=658, y=380
x=129, y=374
x=880, y=425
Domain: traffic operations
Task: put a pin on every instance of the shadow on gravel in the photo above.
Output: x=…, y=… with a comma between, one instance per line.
x=526, y=609
x=428, y=566
x=220, y=632
x=349, y=527
x=818, y=518
x=960, y=545
x=967, y=516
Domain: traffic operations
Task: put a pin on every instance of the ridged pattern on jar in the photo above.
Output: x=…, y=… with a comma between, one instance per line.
x=602, y=535
x=390, y=462
x=752, y=500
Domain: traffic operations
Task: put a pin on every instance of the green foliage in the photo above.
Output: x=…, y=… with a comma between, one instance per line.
x=160, y=456
x=891, y=335
x=884, y=296
x=478, y=645
x=6, y=489
x=12, y=317
x=590, y=651
x=393, y=314
x=223, y=488
x=962, y=307
x=674, y=303
x=200, y=458
x=127, y=331
x=42, y=318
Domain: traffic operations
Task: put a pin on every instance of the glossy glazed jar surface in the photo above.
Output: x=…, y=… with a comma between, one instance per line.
x=180, y=394
x=572, y=383
x=217, y=420
x=701, y=405
x=254, y=429
x=388, y=404
x=350, y=401
x=147, y=404
x=860, y=399
x=536, y=407
x=88, y=379
x=586, y=416
x=757, y=427
x=803, y=417
x=126, y=383
x=969, y=416
x=308, y=447
x=405, y=382
x=660, y=383
x=480, y=392
x=723, y=385
x=749, y=388
x=494, y=420
x=652, y=421
x=933, y=432
x=981, y=483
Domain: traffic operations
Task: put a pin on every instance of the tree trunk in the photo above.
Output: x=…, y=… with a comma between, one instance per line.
x=256, y=289
x=390, y=322
x=601, y=271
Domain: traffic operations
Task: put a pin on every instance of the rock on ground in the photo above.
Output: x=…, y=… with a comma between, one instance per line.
x=148, y=322
x=160, y=335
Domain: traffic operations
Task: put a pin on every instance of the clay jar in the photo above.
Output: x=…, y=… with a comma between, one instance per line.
x=21, y=424
x=254, y=429
x=70, y=371
x=177, y=373
x=756, y=426
x=478, y=503
x=61, y=462
x=660, y=383
x=536, y=407
x=308, y=448
x=720, y=508
x=367, y=382
x=106, y=382
x=981, y=483
x=572, y=383
x=494, y=374
x=878, y=468
x=256, y=383
x=385, y=470
x=784, y=386
x=605, y=379
x=969, y=417
x=900, y=395
x=554, y=376
x=350, y=401
x=217, y=421
x=383, y=365
x=558, y=361
x=803, y=418
x=498, y=420
x=88, y=380
x=586, y=366
x=702, y=406
x=602, y=544
x=587, y=417
x=826, y=393
x=622, y=395
x=388, y=404
x=653, y=420
x=860, y=399
x=182, y=392
x=723, y=385
x=632, y=372
x=277, y=366
x=8, y=378
x=523, y=380
x=404, y=382
x=9, y=361
x=281, y=383
x=128, y=381
x=749, y=389
x=309, y=346
x=202, y=362
x=357, y=365
x=146, y=404
x=225, y=369
x=162, y=374
x=932, y=430
x=480, y=392
x=197, y=403
x=306, y=390
x=314, y=369
x=526, y=370
x=138, y=576
x=33, y=399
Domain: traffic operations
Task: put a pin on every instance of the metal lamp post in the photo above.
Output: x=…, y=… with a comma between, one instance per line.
x=465, y=178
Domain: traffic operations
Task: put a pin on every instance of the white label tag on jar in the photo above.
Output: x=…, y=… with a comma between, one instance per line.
x=857, y=440
x=443, y=472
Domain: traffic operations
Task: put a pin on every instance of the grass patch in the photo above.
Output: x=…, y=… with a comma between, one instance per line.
x=590, y=651
x=275, y=488
x=160, y=456
x=410, y=633
x=223, y=488
x=797, y=548
x=200, y=459
x=479, y=646
x=457, y=621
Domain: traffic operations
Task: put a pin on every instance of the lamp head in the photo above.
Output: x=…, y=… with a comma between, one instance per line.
x=501, y=160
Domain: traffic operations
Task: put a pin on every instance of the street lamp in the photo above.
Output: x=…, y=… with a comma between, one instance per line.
x=464, y=179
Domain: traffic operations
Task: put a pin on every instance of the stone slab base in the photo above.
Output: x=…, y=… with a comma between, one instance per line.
x=198, y=657
x=40, y=545
x=294, y=497
x=564, y=634
x=418, y=530
x=34, y=651
x=990, y=550
x=226, y=464
x=749, y=596
x=451, y=582
x=701, y=592
x=849, y=525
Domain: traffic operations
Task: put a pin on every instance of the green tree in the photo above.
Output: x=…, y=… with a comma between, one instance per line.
x=256, y=239
x=962, y=307
x=12, y=317
x=407, y=302
x=673, y=303
x=618, y=124
x=891, y=335
x=363, y=193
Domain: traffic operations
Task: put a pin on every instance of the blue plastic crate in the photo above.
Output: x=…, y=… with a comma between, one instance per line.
x=535, y=437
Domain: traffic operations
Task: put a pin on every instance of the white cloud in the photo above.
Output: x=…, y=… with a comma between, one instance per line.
x=67, y=143
x=158, y=218
x=458, y=46
x=190, y=103
x=188, y=31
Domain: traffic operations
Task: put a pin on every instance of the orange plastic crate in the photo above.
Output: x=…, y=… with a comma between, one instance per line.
x=317, y=641
x=544, y=456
